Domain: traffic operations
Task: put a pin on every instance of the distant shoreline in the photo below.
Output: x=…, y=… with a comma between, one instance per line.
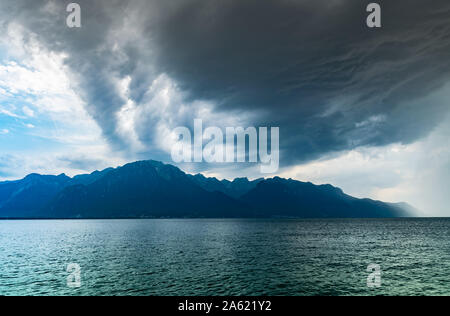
x=221, y=218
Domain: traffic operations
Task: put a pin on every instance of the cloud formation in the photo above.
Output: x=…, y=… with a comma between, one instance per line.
x=311, y=67
x=348, y=98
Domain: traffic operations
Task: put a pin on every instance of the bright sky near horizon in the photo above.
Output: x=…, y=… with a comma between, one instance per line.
x=368, y=113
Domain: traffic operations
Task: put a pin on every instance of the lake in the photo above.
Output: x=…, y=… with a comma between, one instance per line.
x=225, y=257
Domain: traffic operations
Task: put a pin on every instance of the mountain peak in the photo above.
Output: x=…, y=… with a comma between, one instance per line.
x=39, y=177
x=240, y=180
x=151, y=188
x=33, y=176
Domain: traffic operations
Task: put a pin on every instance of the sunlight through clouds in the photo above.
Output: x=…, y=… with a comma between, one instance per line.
x=37, y=96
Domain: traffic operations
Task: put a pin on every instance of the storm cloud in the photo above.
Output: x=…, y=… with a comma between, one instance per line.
x=313, y=68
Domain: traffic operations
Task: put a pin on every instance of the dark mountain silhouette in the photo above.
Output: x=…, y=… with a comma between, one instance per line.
x=151, y=189
x=28, y=196
x=142, y=189
x=299, y=199
x=235, y=188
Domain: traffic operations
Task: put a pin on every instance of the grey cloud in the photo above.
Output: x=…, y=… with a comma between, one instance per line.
x=82, y=162
x=315, y=67
x=310, y=67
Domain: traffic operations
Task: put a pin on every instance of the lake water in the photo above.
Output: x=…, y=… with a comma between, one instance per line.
x=225, y=257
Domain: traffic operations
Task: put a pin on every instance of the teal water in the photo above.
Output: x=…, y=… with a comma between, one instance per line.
x=225, y=257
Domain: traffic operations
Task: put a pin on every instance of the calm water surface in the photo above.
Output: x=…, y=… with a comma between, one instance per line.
x=225, y=257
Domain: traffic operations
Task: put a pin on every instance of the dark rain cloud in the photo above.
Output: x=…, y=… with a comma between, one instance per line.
x=313, y=68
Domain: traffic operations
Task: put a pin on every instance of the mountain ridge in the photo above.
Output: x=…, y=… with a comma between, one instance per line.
x=152, y=189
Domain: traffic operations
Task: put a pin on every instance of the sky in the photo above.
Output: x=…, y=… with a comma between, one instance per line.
x=364, y=109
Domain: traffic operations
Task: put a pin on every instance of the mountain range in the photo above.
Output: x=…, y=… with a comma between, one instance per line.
x=151, y=189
